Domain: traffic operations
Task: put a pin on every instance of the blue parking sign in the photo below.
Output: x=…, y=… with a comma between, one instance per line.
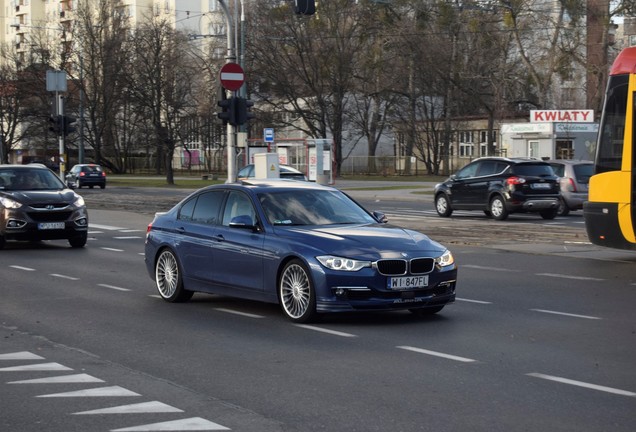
x=268, y=134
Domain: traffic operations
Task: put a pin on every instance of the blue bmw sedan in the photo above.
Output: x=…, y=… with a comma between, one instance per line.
x=307, y=247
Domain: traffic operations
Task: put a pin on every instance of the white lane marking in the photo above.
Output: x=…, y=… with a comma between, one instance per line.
x=583, y=384
x=155, y=296
x=473, y=301
x=194, y=423
x=235, y=312
x=36, y=367
x=563, y=276
x=96, y=392
x=140, y=408
x=95, y=232
x=437, y=354
x=128, y=238
x=324, y=330
x=22, y=355
x=113, y=287
x=488, y=268
x=577, y=242
x=106, y=227
x=566, y=314
x=64, y=379
x=112, y=249
x=131, y=230
x=17, y=267
x=61, y=276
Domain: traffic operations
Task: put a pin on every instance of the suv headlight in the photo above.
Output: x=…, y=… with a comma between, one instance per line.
x=9, y=203
x=342, y=264
x=445, y=259
x=79, y=201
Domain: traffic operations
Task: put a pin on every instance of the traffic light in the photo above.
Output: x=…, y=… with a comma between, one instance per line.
x=243, y=113
x=56, y=123
x=305, y=7
x=228, y=113
x=67, y=126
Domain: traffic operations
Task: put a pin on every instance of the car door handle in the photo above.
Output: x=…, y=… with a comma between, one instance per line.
x=219, y=237
x=180, y=230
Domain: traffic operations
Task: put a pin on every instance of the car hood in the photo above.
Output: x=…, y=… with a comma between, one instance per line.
x=363, y=241
x=49, y=196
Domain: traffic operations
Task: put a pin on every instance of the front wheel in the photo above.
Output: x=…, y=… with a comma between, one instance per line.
x=296, y=292
x=169, y=280
x=78, y=241
x=498, y=208
x=442, y=205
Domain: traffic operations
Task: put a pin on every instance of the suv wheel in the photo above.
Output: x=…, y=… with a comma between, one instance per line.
x=549, y=214
x=442, y=205
x=498, y=208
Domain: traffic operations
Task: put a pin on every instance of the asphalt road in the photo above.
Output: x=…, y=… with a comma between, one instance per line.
x=542, y=337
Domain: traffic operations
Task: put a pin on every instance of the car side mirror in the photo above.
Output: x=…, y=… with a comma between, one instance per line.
x=242, y=221
x=380, y=217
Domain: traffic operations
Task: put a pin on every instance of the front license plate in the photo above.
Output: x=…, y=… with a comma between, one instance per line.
x=407, y=282
x=51, y=225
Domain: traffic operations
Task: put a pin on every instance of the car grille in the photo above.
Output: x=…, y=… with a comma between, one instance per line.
x=397, y=267
x=44, y=214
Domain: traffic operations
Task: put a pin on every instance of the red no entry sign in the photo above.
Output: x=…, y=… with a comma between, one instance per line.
x=232, y=76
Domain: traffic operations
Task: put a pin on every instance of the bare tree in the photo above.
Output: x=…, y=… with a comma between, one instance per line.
x=161, y=83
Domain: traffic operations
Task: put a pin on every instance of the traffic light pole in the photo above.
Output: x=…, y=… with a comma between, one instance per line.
x=60, y=134
x=231, y=130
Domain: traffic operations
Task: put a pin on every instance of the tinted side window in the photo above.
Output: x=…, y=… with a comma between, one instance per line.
x=207, y=207
x=238, y=204
x=559, y=169
x=185, y=213
x=467, y=171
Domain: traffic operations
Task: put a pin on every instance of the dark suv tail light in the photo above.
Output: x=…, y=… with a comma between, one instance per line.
x=515, y=180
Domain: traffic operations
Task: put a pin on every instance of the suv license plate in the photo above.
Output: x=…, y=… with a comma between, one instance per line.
x=51, y=225
x=407, y=282
x=540, y=186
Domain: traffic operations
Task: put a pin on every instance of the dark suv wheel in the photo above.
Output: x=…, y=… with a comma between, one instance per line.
x=498, y=208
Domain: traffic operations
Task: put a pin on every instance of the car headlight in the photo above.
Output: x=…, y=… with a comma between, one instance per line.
x=79, y=201
x=9, y=203
x=342, y=264
x=445, y=259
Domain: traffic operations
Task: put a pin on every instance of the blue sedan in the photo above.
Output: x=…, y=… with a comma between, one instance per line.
x=307, y=247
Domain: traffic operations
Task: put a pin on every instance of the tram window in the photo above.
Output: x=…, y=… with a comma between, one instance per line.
x=610, y=145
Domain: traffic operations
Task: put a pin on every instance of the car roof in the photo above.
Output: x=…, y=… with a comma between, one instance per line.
x=25, y=167
x=571, y=161
x=514, y=160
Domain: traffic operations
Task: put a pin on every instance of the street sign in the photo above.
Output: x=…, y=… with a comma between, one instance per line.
x=232, y=76
x=268, y=134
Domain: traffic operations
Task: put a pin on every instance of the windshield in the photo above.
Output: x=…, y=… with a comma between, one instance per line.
x=22, y=179
x=312, y=207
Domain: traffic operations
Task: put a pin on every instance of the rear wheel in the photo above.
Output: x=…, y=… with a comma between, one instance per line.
x=296, y=292
x=442, y=205
x=564, y=210
x=549, y=214
x=498, y=208
x=168, y=278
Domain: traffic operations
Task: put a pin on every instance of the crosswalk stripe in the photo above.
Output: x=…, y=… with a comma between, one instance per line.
x=96, y=392
x=36, y=367
x=194, y=423
x=144, y=407
x=21, y=355
x=64, y=379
